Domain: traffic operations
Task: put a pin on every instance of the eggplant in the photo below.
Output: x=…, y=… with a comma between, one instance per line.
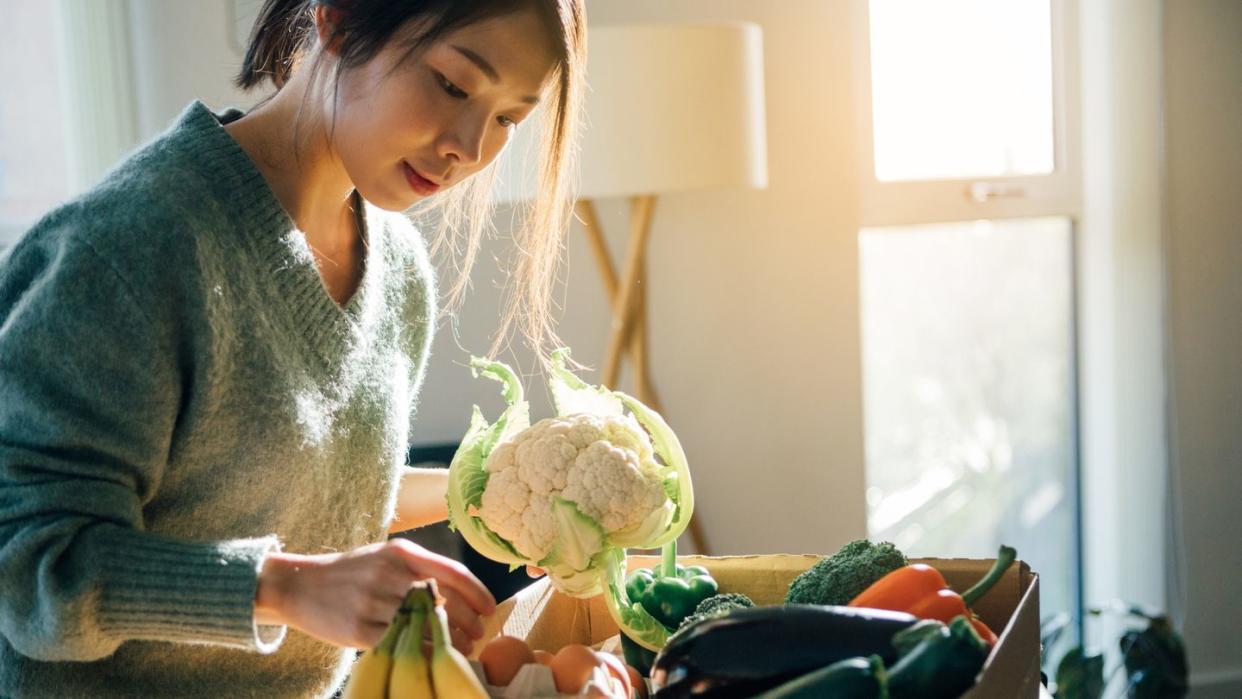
x=747, y=651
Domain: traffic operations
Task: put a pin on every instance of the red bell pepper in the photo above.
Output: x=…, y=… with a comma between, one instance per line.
x=920, y=590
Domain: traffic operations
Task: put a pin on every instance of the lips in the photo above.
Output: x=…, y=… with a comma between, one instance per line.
x=417, y=182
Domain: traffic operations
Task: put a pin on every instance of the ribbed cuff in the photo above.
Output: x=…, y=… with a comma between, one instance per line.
x=166, y=589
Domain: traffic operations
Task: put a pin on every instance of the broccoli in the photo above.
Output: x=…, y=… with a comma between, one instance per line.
x=844, y=575
x=714, y=606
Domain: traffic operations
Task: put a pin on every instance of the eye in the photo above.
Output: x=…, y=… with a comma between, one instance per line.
x=458, y=93
x=450, y=88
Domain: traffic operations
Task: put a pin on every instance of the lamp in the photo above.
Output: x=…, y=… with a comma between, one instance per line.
x=669, y=108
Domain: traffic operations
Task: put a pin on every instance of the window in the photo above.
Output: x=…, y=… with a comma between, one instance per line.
x=970, y=196
x=978, y=75
x=69, y=108
x=34, y=161
x=968, y=375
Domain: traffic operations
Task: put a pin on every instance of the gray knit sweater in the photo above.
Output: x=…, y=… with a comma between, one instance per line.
x=179, y=395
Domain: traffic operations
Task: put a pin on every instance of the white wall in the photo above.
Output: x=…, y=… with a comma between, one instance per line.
x=183, y=51
x=1203, y=141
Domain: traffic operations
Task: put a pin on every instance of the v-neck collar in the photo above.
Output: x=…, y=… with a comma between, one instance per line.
x=360, y=220
x=330, y=330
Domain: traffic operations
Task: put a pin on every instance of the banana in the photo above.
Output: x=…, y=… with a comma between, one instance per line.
x=451, y=674
x=411, y=673
x=369, y=678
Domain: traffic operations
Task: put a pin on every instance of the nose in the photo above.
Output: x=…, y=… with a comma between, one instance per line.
x=462, y=143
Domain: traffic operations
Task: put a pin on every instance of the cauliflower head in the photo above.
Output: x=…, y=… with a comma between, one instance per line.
x=603, y=464
x=572, y=492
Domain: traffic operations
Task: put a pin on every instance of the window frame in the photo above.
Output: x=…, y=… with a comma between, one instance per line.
x=1059, y=193
x=938, y=201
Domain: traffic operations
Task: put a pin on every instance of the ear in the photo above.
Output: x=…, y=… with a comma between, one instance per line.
x=326, y=22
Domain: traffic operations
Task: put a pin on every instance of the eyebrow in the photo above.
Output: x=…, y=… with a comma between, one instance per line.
x=488, y=70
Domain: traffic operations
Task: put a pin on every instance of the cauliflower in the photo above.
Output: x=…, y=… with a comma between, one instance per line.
x=570, y=493
x=604, y=464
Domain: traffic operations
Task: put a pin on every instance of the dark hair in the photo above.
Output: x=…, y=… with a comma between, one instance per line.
x=285, y=29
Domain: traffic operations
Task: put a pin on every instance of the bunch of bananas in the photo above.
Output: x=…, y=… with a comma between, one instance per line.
x=400, y=668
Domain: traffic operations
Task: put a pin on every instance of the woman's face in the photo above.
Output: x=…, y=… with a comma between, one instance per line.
x=405, y=130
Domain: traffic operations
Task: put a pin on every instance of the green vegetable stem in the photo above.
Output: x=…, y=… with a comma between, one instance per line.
x=672, y=592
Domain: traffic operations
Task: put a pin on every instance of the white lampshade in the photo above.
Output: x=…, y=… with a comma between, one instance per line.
x=669, y=107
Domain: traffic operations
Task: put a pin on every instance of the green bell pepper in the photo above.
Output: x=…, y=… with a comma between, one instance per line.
x=671, y=592
x=852, y=678
x=937, y=660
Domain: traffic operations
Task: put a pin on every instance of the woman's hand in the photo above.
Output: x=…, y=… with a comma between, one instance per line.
x=348, y=599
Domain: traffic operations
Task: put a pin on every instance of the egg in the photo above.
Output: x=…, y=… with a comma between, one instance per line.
x=637, y=682
x=503, y=657
x=616, y=668
x=572, y=666
x=543, y=657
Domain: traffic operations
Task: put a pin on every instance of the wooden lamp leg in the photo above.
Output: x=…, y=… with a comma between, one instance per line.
x=624, y=302
x=628, y=298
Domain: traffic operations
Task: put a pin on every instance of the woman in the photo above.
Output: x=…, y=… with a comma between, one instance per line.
x=209, y=362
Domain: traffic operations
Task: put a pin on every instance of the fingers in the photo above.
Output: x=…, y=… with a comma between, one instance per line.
x=460, y=614
x=446, y=571
x=461, y=641
x=534, y=572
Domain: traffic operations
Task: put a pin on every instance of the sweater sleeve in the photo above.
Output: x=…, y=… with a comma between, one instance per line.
x=90, y=388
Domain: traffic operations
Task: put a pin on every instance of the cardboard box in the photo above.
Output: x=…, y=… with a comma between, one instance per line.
x=549, y=620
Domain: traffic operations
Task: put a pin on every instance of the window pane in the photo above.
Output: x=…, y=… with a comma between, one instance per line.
x=968, y=390
x=961, y=88
x=34, y=173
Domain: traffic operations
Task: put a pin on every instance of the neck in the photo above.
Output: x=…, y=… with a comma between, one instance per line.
x=300, y=166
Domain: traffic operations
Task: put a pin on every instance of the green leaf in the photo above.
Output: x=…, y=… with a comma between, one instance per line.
x=631, y=618
x=578, y=537
x=465, y=473
x=465, y=467
x=1155, y=661
x=671, y=489
x=668, y=448
x=516, y=416
x=470, y=478
x=571, y=395
x=657, y=521
x=474, y=483
x=581, y=584
x=499, y=371
x=1080, y=676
